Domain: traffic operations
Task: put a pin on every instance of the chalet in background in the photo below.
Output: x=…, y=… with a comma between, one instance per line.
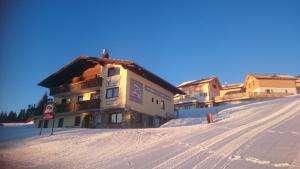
x=105, y=92
x=198, y=93
x=270, y=83
x=254, y=87
x=298, y=84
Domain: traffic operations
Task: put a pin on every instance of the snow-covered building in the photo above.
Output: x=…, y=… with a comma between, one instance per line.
x=198, y=93
x=258, y=86
x=105, y=92
x=230, y=93
x=232, y=89
x=270, y=83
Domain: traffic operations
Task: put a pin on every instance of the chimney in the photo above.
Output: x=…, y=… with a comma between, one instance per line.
x=105, y=53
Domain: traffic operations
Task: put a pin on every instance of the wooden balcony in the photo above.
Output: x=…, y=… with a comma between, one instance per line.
x=80, y=106
x=66, y=107
x=252, y=95
x=89, y=104
x=97, y=82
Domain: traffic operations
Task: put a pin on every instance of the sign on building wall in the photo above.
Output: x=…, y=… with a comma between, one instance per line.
x=136, y=91
x=113, y=81
x=157, y=93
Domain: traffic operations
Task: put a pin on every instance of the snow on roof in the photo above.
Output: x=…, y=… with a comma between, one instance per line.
x=273, y=76
x=233, y=85
x=187, y=82
x=192, y=82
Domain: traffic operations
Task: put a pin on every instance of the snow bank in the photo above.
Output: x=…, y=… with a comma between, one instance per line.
x=183, y=122
x=179, y=143
x=17, y=124
x=202, y=112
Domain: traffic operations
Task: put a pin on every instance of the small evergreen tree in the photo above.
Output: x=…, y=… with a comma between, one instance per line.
x=22, y=116
x=12, y=116
x=41, y=104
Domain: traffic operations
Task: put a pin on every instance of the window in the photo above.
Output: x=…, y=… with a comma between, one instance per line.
x=77, y=121
x=152, y=99
x=112, y=92
x=65, y=100
x=80, y=98
x=98, y=119
x=156, y=101
x=116, y=118
x=214, y=86
x=95, y=95
x=150, y=121
x=46, y=123
x=138, y=118
x=60, y=122
x=268, y=91
x=162, y=105
x=40, y=123
x=113, y=71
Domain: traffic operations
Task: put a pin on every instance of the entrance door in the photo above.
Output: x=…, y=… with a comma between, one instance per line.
x=87, y=120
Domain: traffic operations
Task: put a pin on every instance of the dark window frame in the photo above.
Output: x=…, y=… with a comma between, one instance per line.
x=115, y=92
x=112, y=71
x=64, y=101
x=60, y=122
x=162, y=105
x=95, y=96
x=80, y=100
x=77, y=121
x=116, y=116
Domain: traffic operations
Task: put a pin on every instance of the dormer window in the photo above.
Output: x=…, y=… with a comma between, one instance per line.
x=113, y=71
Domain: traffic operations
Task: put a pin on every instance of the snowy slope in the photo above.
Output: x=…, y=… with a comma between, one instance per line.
x=261, y=135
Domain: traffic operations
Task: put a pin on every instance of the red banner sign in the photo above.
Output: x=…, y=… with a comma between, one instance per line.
x=49, y=112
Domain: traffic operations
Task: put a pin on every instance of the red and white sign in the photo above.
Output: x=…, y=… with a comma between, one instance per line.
x=49, y=112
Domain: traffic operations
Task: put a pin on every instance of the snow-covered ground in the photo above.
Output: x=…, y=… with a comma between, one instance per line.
x=259, y=135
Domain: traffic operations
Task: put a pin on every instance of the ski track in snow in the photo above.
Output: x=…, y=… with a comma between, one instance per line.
x=184, y=156
x=216, y=145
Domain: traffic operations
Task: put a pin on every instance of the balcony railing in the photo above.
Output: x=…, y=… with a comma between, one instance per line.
x=90, y=104
x=77, y=86
x=66, y=107
x=74, y=107
x=252, y=95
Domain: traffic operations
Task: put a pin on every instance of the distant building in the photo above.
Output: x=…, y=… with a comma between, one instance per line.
x=232, y=89
x=258, y=86
x=105, y=92
x=231, y=92
x=298, y=84
x=198, y=93
x=270, y=83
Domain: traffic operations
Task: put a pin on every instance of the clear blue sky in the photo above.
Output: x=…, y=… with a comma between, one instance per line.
x=178, y=40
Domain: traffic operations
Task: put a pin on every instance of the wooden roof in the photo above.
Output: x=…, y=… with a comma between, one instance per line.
x=80, y=64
